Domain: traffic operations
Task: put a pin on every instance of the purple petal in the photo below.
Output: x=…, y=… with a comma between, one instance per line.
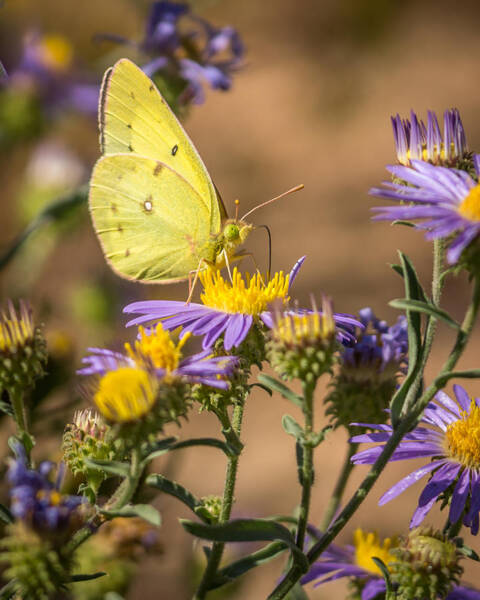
x=459, y=498
x=294, y=272
x=462, y=397
x=439, y=482
x=373, y=588
x=407, y=481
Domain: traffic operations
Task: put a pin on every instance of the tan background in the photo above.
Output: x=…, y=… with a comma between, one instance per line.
x=311, y=106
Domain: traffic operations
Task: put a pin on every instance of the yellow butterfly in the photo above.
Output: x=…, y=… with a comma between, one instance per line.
x=155, y=209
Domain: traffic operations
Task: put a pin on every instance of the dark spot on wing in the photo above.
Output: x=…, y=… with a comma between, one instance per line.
x=119, y=228
x=132, y=95
x=129, y=125
x=113, y=207
x=130, y=147
x=151, y=88
x=157, y=169
x=127, y=252
x=174, y=149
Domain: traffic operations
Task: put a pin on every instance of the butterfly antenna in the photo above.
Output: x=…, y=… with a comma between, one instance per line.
x=294, y=189
x=237, y=204
x=267, y=229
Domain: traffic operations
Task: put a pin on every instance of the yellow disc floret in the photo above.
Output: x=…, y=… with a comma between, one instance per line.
x=126, y=394
x=368, y=545
x=16, y=331
x=157, y=349
x=462, y=438
x=470, y=206
x=308, y=328
x=248, y=296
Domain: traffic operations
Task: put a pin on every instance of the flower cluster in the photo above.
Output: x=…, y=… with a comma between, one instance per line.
x=183, y=48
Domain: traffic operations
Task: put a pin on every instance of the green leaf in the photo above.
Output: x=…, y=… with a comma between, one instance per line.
x=385, y=572
x=178, y=491
x=246, y=563
x=291, y=427
x=144, y=511
x=397, y=268
x=5, y=515
x=425, y=308
x=265, y=388
x=87, y=577
x=211, y=442
x=281, y=388
x=151, y=451
x=413, y=291
x=248, y=530
x=112, y=467
x=405, y=223
x=468, y=374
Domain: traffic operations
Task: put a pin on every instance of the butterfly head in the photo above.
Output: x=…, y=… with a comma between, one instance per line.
x=235, y=233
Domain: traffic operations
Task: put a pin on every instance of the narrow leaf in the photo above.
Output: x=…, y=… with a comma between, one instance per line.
x=385, y=572
x=265, y=388
x=212, y=442
x=5, y=515
x=248, y=530
x=281, y=388
x=469, y=552
x=151, y=451
x=178, y=491
x=109, y=466
x=291, y=427
x=469, y=374
x=87, y=577
x=245, y=564
x=144, y=511
x=425, y=308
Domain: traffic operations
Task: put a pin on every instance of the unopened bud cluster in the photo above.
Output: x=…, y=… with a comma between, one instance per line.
x=426, y=565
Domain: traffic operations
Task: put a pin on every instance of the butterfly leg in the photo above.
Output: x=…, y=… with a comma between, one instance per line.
x=191, y=286
x=255, y=264
x=227, y=264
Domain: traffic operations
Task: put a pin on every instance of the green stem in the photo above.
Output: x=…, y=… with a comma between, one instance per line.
x=404, y=427
x=307, y=464
x=227, y=503
x=18, y=405
x=342, y=480
x=122, y=496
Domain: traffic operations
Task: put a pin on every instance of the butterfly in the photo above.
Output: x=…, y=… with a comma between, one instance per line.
x=155, y=209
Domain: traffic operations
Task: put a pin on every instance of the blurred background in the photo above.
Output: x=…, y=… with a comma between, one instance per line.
x=311, y=104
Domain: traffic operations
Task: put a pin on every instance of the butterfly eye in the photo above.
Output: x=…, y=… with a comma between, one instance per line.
x=231, y=232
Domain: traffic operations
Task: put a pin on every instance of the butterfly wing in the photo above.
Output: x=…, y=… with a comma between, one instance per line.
x=135, y=118
x=152, y=225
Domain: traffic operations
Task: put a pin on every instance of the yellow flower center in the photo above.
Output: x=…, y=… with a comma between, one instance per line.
x=437, y=155
x=462, y=438
x=56, y=52
x=470, y=206
x=248, y=296
x=309, y=327
x=157, y=349
x=368, y=545
x=15, y=331
x=126, y=394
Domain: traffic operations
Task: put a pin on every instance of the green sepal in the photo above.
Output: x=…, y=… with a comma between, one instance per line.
x=246, y=563
x=248, y=530
x=5, y=515
x=178, y=491
x=144, y=511
x=281, y=388
x=6, y=408
x=263, y=387
x=426, y=308
x=112, y=467
x=404, y=223
x=468, y=552
x=385, y=572
x=87, y=577
x=291, y=427
x=413, y=291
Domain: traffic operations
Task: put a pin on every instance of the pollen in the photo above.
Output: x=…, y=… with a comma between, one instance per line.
x=462, y=438
x=470, y=206
x=249, y=295
x=368, y=545
x=126, y=394
x=157, y=349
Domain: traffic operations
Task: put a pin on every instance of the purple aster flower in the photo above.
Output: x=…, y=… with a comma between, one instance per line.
x=380, y=347
x=156, y=350
x=415, y=141
x=36, y=499
x=446, y=200
x=451, y=441
x=229, y=308
x=179, y=44
x=355, y=562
